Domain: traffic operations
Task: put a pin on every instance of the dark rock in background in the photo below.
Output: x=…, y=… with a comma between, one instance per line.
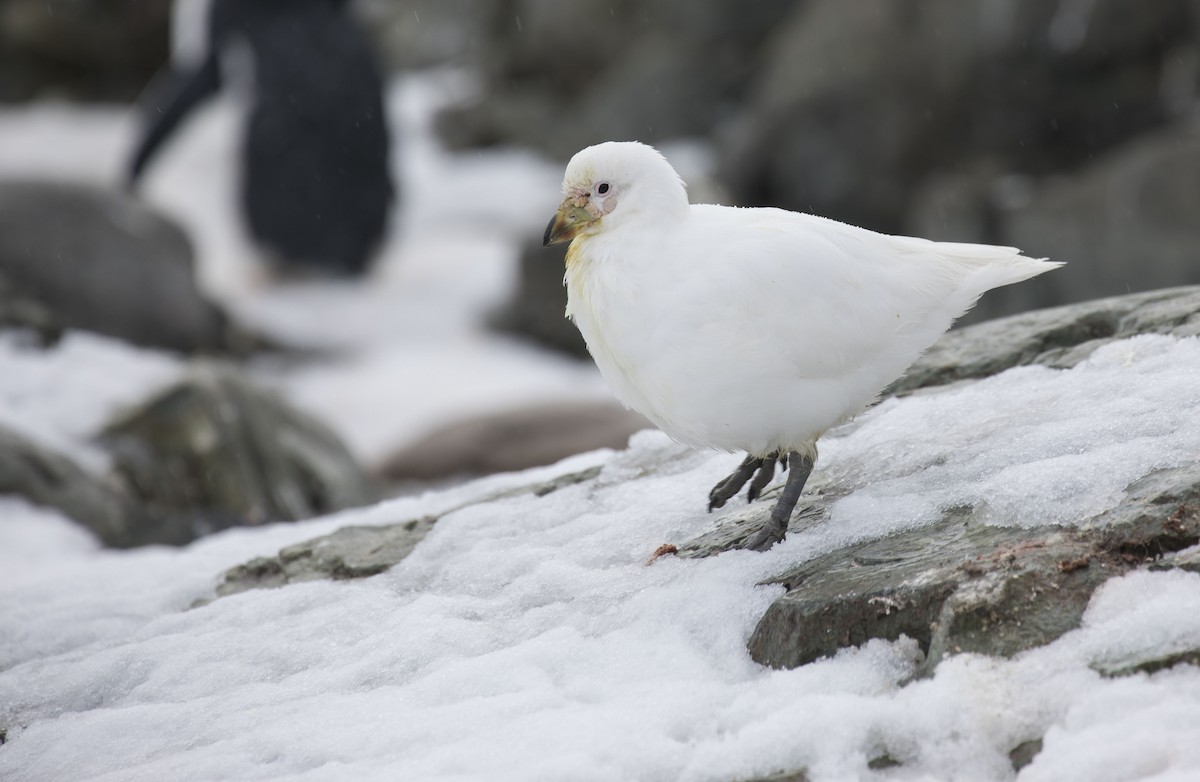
x=1065, y=129
x=859, y=102
x=514, y=440
x=100, y=260
x=46, y=478
x=559, y=76
x=537, y=309
x=428, y=33
x=216, y=452
x=26, y=316
x=80, y=49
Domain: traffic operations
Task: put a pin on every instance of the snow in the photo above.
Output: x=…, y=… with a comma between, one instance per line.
x=525, y=639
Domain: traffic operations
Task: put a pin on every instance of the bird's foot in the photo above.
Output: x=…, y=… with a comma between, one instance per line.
x=776, y=527
x=730, y=486
x=768, y=535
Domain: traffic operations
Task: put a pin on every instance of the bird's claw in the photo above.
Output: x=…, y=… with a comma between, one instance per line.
x=767, y=536
x=730, y=486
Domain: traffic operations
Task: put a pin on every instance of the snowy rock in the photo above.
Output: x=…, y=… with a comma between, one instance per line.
x=359, y=552
x=965, y=586
x=46, y=478
x=99, y=260
x=351, y=552
x=215, y=451
x=1058, y=337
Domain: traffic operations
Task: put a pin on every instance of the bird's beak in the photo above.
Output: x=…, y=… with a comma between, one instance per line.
x=567, y=222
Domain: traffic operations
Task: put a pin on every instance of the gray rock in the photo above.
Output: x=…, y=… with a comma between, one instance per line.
x=358, y=552
x=102, y=261
x=1189, y=657
x=47, y=478
x=1125, y=223
x=560, y=76
x=1024, y=753
x=27, y=316
x=858, y=103
x=962, y=586
x=782, y=776
x=1058, y=337
x=351, y=552
x=215, y=451
x=514, y=440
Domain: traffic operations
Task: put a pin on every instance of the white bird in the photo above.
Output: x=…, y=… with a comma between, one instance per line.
x=750, y=330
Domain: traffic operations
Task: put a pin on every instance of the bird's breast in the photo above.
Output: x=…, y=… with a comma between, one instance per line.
x=603, y=302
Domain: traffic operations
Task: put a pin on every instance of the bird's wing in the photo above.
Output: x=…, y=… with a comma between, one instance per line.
x=826, y=298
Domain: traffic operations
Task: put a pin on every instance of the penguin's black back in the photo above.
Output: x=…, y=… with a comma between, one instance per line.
x=316, y=185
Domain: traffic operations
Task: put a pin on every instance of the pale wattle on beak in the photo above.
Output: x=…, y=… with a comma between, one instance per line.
x=567, y=222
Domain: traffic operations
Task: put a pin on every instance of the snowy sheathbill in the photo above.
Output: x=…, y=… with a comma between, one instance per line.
x=750, y=330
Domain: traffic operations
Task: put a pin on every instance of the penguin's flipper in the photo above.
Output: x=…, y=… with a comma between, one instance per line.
x=188, y=90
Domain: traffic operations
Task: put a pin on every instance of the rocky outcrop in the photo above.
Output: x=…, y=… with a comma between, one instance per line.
x=89, y=258
x=209, y=453
x=215, y=451
x=963, y=584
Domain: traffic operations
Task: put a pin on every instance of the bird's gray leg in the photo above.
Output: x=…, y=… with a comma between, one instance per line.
x=776, y=527
x=721, y=493
x=766, y=472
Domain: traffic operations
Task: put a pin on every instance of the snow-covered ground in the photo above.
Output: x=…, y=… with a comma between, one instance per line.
x=524, y=639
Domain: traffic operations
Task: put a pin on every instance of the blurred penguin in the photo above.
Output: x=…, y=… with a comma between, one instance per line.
x=316, y=189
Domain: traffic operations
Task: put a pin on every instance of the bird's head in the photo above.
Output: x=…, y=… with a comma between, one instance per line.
x=612, y=183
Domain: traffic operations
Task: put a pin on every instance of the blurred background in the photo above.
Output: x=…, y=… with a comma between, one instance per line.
x=338, y=204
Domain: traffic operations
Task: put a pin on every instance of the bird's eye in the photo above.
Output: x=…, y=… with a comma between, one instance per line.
x=602, y=188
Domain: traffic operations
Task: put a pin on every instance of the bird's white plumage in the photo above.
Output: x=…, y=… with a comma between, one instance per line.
x=753, y=329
